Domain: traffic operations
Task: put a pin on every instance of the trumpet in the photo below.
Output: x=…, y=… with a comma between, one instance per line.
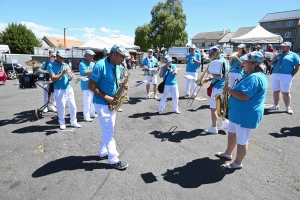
x=71, y=76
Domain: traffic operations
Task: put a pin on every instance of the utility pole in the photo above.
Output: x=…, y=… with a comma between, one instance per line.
x=65, y=38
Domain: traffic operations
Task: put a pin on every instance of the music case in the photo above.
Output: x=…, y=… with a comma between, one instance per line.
x=215, y=67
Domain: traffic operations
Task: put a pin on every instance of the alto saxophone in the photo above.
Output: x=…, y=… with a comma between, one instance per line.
x=222, y=104
x=120, y=96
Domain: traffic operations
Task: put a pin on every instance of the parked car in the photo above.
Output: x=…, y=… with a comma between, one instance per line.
x=178, y=54
x=10, y=72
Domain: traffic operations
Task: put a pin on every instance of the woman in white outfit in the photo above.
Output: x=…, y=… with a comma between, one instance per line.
x=168, y=73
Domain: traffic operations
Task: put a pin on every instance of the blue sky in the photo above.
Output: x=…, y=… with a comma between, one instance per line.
x=83, y=19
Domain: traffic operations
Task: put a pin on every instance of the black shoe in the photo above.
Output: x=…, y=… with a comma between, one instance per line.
x=104, y=157
x=119, y=165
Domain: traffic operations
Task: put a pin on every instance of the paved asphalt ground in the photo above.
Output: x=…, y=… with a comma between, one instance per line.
x=169, y=155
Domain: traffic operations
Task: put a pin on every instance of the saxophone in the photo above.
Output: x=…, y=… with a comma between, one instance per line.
x=222, y=104
x=120, y=96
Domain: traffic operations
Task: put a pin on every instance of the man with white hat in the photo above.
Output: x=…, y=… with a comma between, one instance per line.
x=104, y=83
x=43, y=68
x=285, y=66
x=59, y=73
x=85, y=69
x=192, y=61
x=150, y=62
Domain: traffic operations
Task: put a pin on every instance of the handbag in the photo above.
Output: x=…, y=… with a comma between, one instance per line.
x=209, y=89
x=161, y=86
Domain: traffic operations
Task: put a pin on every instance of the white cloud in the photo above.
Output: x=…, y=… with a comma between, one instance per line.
x=109, y=31
x=86, y=29
x=3, y=26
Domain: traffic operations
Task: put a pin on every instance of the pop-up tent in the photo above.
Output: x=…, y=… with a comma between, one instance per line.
x=258, y=35
x=4, y=49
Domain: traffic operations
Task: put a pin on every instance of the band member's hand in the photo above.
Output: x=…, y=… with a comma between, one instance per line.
x=65, y=71
x=126, y=86
x=225, y=89
x=205, y=80
x=111, y=100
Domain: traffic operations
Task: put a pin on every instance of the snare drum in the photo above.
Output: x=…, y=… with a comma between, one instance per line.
x=151, y=72
x=27, y=81
x=43, y=76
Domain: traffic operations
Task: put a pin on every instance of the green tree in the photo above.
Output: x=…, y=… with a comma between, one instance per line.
x=142, y=37
x=167, y=26
x=19, y=38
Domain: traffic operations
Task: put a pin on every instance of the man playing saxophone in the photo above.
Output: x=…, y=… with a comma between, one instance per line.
x=218, y=82
x=104, y=83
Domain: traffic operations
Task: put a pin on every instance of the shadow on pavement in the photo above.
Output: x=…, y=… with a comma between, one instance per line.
x=200, y=108
x=70, y=163
x=270, y=112
x=178, y=136
x=148, y=115
x=196, y=173
x=287, y=132
x=134, y=100
x=33, y=129
x=22, y=117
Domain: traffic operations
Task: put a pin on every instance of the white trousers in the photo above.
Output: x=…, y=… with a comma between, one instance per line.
x=88, y=106
x=173, y=89
x=52, y=97
x=233, y=77
x=107, y=121
x=189, y=82
x=61, y=97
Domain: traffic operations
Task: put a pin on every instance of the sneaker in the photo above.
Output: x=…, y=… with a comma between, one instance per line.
x=88, y=119
x=224, y=125
x=289, y=110
x=156, y=97
x=212, y=130
x=177, y=111
x=148, y=96
x=160, y=112
x=119, y=165
x=62, y=127
x=76, y=125
x=187, y=96
x=274, y=107
x=120, y=110
x=45, y=110
x=52, y=109
x=193, y=97
x=94, y=116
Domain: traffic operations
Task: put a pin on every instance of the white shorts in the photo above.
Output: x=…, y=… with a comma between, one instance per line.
x=212, y=102
x=242, y=134
x=152, y=79
x=281, y=82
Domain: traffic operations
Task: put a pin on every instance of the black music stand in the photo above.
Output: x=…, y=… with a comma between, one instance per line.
x=39, y=111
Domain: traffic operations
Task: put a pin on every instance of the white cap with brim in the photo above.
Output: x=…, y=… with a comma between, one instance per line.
x=61, y=53
x=89, y=52
x=53, y=55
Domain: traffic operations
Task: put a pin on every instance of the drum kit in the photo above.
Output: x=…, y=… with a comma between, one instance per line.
x=32, y=80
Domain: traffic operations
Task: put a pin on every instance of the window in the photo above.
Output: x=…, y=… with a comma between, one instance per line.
x=267, y=26
x=212, y=44
x=203, y=44
x=278, y=25
x=288, y=35
x=289, y=24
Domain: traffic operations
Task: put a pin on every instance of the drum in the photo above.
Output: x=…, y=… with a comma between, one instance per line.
x=27, y=81
x=43, y=76
x=151, y=72
x=215, y=67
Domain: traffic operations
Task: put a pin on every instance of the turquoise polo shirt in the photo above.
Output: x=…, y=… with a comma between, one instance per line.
x=192, y=66
x=171, y=78
x=103, y=75
x=288, y=63
x=235, y=66
x=221, y=83
x=150, y=62
x=248, y=114
x=83, y=68
x=55, y=68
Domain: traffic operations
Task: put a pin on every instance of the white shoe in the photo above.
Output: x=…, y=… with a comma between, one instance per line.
x=45, y=110
x=289, y=110
x=76, y=125
x=224, y=125
x=62, y=127
x=274, y=107
x=148, y=96
x=156, y=97
x=177, y=111
x=52, y=108
x=88, y=119
x=94, y=116
x=212, y=130
x=120, y=110
x=160, y=112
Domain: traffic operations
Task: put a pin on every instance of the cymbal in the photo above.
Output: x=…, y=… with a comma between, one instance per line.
x=33, y=63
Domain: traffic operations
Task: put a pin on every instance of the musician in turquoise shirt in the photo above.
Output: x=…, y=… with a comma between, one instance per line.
x=245, y=108
x=236, y=70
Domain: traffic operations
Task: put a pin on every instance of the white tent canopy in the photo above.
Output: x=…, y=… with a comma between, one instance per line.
x=258, y=35
x=4, y=48
x=99, y=43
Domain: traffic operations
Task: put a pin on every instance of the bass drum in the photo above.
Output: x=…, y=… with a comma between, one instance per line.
x=27, y=81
